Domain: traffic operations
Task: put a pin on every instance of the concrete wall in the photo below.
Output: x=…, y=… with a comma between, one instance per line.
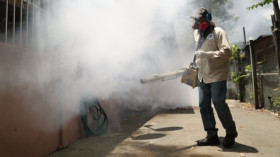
x=30, y=119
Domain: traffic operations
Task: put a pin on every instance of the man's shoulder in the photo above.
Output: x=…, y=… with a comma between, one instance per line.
x=218, y=29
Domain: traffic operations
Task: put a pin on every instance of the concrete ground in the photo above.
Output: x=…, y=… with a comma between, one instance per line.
x=173, y=132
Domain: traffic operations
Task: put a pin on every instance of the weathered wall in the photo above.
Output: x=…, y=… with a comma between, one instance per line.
x=265, y=52
x=29, y=117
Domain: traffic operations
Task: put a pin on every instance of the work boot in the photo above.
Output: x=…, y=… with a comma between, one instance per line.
x=209, y=141
x=229, y=140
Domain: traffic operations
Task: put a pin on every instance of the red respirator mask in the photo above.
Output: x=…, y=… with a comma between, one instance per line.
x=203, y=26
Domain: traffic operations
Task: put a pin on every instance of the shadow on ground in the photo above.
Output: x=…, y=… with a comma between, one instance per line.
x=147, y=149
x=238, y=147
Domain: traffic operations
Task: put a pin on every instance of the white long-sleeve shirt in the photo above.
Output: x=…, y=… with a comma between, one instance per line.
x=213, y=57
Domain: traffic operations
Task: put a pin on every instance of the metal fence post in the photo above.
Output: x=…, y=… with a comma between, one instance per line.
x=33, y=24
x=20, y=29
x=27, y=23
x=244, y=35
x=6, y=21
x=14, y=23
x=276, y=29
x=254, y=76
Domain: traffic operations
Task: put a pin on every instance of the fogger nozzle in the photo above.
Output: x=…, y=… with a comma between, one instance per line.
x=163, y=77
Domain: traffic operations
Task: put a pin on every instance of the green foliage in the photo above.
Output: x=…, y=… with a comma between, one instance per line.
x=276, y=102
x=262, y=3
x=248, y=70
x=235, y=52
x=236, y=77
x=276, y=99
x=252, y=95
x=260, y=66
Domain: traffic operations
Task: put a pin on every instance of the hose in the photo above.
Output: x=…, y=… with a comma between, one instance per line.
x=91, y=108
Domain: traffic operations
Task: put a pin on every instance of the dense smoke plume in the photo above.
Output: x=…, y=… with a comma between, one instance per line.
x=103, y=48
x=106, y=47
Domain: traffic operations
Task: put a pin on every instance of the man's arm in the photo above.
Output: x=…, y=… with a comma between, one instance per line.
x=223, y=45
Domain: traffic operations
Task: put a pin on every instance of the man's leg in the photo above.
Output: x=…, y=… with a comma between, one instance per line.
x=218, y=91
x=207, y=115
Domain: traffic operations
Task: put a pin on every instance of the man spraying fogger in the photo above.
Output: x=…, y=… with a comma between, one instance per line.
x=212, y=59
x=211, y=66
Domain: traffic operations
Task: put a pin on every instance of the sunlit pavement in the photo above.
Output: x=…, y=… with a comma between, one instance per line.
x=174, y=132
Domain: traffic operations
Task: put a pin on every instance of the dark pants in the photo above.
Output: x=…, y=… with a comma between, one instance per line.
x=217, y=93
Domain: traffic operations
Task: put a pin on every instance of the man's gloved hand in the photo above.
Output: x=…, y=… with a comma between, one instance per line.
x=206, y=54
